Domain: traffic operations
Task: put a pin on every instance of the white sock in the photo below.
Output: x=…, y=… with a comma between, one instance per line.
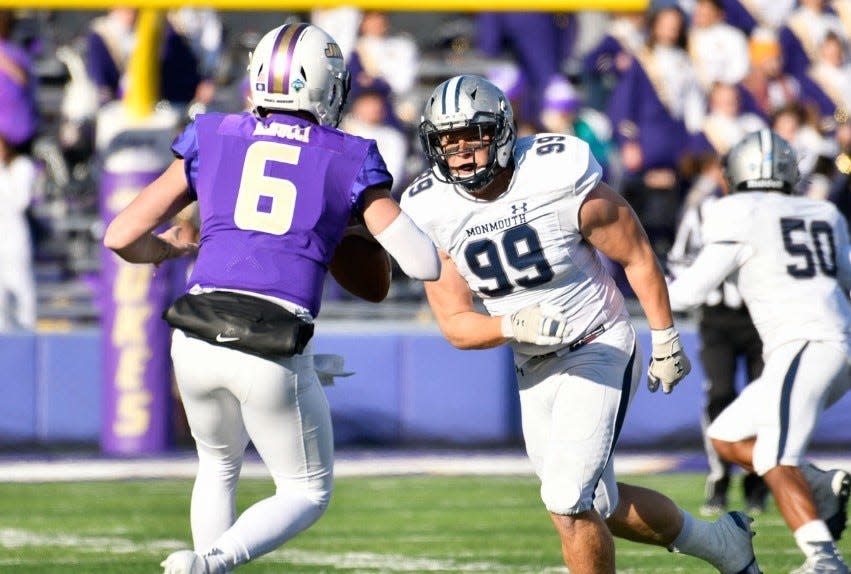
x=812, y=536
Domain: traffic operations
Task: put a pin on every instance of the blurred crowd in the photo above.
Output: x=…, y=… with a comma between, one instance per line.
x=660, y=96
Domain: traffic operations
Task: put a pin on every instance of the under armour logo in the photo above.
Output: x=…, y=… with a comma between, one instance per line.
x=518, y=208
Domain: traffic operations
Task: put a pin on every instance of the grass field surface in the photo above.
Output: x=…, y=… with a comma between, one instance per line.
x=374, y=525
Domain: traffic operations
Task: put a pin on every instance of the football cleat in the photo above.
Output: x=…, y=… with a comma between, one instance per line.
x=831, y=490
x=184, y=562
x=734, y=528
x=826, y=560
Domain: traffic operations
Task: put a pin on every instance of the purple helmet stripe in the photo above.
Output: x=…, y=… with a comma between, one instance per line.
x=282, y=55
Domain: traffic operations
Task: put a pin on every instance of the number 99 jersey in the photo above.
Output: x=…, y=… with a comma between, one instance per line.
x=275, y=195
x=524, y=247
x=792, y=264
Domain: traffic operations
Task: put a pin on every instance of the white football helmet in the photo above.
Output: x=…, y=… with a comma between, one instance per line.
x=762, y=161
x=299, y=67
x=462, y=102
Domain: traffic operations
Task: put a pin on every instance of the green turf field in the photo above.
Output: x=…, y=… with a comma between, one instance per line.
x=374, y=525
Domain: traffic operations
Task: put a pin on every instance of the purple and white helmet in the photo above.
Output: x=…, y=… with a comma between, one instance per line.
x=299, y=67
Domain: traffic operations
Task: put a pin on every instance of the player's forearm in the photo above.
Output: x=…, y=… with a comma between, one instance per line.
x=471, y=330
x=146, y=249
x=647, y=281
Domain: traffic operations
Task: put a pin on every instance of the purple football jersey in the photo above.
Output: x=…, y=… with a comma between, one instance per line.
x=275, y=195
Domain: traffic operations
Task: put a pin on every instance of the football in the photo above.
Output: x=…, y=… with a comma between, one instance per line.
x=362, y=267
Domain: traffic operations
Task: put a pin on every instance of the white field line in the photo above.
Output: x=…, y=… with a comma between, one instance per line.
x=351, y=562
x=457, y=464
x=382, y=465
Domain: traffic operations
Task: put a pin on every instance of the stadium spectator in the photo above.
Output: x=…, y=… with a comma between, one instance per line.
x=727, y=337
x=241, y=346
x=535, y=42
x=840, y=190
x=384, y=56
x=828, y=80
x=766, y=87
x=798, y=125
x=369, y=118
x=789, y=259
x=747, y=15
x=342, y=23
x=110, y=43
x=200, y=31
x=605, y=63
x=802, y=32
x=17, y=282
x=18, y=84
x=564, y=113
x=536, y=269
x=18, y=125
x=725, y=123
x=654, y=107
x=718, y=51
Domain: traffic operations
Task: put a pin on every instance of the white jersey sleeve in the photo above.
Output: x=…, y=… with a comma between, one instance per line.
x=712, y=266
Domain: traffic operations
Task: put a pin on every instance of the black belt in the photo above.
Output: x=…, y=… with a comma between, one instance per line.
x=535, y=361
x=577, y=344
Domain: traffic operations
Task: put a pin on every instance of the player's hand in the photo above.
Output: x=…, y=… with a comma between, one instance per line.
x=177, y=246
x=668, y=362
x=537, y=324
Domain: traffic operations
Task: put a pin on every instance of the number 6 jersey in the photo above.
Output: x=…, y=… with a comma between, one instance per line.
x=789, y=258
x=524, y=247
x=275, y=196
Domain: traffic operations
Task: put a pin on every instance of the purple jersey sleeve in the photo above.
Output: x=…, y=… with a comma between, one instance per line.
x=185, y=146
x=373, y=174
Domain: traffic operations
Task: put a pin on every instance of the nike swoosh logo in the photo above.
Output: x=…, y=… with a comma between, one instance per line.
x=222, y=339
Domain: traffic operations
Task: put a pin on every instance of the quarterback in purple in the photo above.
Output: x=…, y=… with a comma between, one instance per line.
x=277, y=189
x=275, y=195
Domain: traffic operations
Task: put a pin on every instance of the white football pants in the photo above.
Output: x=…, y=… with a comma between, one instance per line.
x=231, y=397
x=781, y=409
x=572, y=408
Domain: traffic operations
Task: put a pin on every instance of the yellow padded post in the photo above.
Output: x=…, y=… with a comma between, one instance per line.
x=143, y=86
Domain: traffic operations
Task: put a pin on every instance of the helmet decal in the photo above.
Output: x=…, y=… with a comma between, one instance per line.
x=282, y=57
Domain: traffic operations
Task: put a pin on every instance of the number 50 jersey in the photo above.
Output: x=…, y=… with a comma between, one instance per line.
x=524, y=247
x=793, y=268
x=275, y=195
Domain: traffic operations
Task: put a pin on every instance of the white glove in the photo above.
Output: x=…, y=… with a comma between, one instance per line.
x=537, y=324
x=668, y=362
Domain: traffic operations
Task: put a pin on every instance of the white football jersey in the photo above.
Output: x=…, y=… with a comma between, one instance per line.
x=794, y=251
x=524, y=247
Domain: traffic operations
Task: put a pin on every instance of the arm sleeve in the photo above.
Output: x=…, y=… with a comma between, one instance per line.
x=715, y=262
x=185, y=147
x=373, y=173
x=411, y=248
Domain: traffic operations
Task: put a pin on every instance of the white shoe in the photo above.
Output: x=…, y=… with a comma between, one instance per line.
x=831, y=490
x=734, y=529
x=184, y=562
x=826, y=561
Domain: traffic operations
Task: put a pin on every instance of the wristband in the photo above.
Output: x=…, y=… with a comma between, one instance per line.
x=662, y=336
